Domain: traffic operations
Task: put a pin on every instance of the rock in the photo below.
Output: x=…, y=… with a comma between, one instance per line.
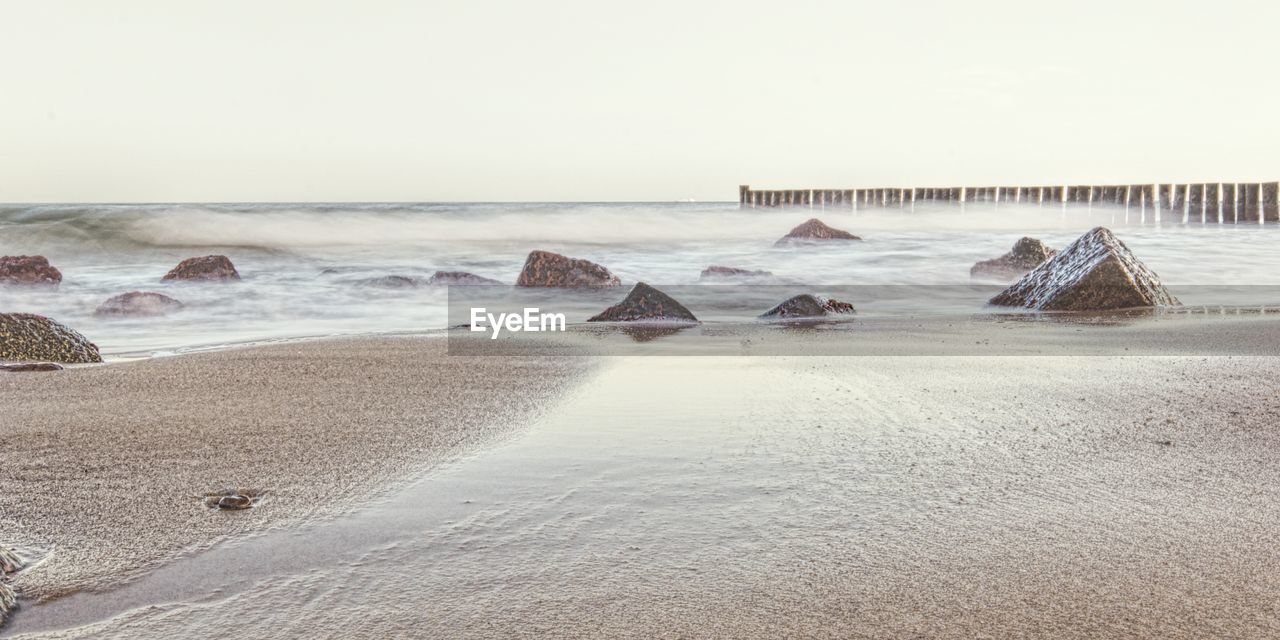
x=231, y=499
x=8, y=602
x=138, y=303
x=645, y=303
x=203, y=268
x=1095, y=273
x=458, y=277
x=808, y=306
x=389, y=282
x=814, y=230
x=28, y=270
x=18, y=367
x=716, y=271
x=9, y=561
x=1026, y=255
x=546, y=269
x=26, y=337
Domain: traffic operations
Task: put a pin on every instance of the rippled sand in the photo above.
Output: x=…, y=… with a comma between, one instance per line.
x=778, y=496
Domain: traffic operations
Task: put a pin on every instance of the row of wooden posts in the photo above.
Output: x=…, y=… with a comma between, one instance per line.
x=1202, y=202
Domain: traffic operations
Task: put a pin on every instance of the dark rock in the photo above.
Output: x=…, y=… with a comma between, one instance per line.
x=231, y=499
x=1026, y=255
x=203, y=268
x=389, y=282
x=26, y=337
x=808, y=306
x=547, y=269
x=28, y=270
x=1096, y=272
x=645, y=303
x=19, y=367
x=813, y=230
x=716, y=271
x=9, y=561
x=458, y=277
x=138, y=303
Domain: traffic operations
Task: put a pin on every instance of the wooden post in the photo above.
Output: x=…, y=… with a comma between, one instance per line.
x=744, y=191
x=1212, y=206
x=1229, y=201
x=1270, y=204
x=1252, y=210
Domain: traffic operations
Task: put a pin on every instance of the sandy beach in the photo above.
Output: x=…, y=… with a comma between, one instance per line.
x=104, y=466
x=786, y=495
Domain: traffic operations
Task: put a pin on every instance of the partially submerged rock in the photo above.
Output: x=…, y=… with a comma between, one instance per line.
x=203, y=268
x=20, y=367
x=389, y=282
x=717, y=271
x=814, y=230
x=233, y=499
x=458, y=277
x=1096, y=272
x=1026, y=255
x=808, y=306
x=28, y=337
x=547, y=269
x=138, y=303
x=645, y=303
x=28, y=270
x=9, y=561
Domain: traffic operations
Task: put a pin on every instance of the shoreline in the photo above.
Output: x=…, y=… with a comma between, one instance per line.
x=108, y=461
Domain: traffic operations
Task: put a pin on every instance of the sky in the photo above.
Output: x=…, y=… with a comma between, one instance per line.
x=593, y=100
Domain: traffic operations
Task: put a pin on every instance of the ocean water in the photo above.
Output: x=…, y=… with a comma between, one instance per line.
x=301, y=263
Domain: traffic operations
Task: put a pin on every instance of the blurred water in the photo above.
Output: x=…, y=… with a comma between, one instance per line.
x=283, y=251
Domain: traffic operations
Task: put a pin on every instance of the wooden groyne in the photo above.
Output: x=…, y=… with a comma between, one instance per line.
x=1216, y=202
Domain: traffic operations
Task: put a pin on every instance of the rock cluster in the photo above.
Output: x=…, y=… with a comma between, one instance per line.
x=1026, y=255
x=138, y=303
x=28, y=337
x=814, y=230
x=645, y=303
x=28, y=270
x=808, y=306
x=203, y=268
x=547, y=269
x=1097, y=272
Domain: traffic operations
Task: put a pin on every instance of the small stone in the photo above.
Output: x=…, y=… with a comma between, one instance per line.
x=716, y=271
x=1027, y=254
x=9, y=561
x=18, y=367
x=645, y=303
x=8, y=602
x=231, y=499
x=203, y=268
x=459, y=278
x=389, y=282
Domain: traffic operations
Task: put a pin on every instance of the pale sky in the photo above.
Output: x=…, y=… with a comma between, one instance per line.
x=430, y=100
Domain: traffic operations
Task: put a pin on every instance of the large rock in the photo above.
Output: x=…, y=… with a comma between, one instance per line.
x=203, y=268
x=8, y=602
x=715, y=272
x=28, y=270
x=26, y=337
x=547, y=269
x=1026, y=255
x=808, y=306
x=645, y=303
x=138, y=303
x=814, y=230
x=1096, y=272
x=458, y=277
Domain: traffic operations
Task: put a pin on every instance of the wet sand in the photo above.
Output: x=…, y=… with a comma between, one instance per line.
x=798, y=495
x=102, y=465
